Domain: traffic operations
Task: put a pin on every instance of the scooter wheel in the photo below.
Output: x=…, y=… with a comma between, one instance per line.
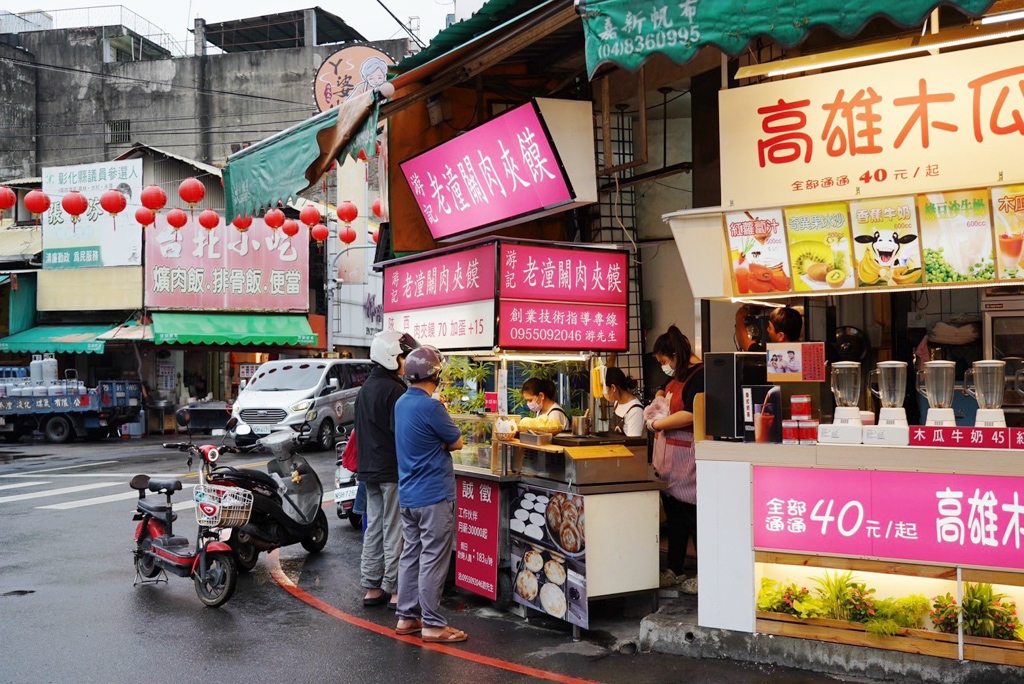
x=246, y=555
x=144, y=563
x=217, y=586
x=317, y=539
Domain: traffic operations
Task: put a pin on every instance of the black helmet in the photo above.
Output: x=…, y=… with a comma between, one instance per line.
x=423, y=363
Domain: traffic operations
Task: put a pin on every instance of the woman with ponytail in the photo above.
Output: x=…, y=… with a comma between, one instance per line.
x=628, y=413
x=673, y=449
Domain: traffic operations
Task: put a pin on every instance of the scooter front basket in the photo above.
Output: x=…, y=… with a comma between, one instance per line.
x=218, y=506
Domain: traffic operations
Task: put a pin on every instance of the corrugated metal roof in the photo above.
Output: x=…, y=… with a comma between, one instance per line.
x=142, y=147
x=282, y=30
x=20, y=244
x=24, y=182
x=129, y=332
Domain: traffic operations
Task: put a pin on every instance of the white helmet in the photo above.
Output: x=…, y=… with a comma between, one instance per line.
x=388, y=345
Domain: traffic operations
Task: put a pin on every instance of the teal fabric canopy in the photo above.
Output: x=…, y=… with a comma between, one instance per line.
x=628, y=32
x=57, y=339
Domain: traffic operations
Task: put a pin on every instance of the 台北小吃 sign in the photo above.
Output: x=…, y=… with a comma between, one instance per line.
x=224, y=269
x=934, y=123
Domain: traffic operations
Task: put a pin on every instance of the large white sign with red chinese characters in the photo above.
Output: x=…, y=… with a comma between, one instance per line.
x=446, y=301
x=226, y=270
x=928, y=517
x=96, y=238
x=932, y=123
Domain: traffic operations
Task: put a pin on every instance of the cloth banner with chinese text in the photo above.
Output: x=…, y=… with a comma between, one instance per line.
x=627, y=32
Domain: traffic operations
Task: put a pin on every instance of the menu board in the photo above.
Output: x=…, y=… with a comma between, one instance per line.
x=1008, y=211
x=819, y=247
x=757, y=252
x=886, y=243
x=956, y=237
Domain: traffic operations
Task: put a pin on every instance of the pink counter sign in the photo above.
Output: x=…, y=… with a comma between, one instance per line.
x=503, y=169
x=930, y=517
x=447, y=279
x=563, y=275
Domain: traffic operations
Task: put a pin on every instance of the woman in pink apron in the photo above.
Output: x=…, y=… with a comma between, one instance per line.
x=673, y=449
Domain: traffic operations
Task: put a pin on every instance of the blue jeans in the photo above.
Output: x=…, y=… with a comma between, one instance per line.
x=359, y=505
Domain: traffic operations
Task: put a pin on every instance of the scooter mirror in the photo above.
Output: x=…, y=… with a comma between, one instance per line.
x=183, y=417
x=243, y=430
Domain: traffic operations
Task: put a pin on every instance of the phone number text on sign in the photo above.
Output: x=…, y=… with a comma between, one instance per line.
x=543, y=325
x=929, y=517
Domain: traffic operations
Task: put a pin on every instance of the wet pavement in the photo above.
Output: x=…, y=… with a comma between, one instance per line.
x=69, y=612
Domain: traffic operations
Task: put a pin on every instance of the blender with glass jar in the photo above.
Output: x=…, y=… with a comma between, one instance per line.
x=846, y=426
x=892, y=427
x=988, y=386
x=936, y=383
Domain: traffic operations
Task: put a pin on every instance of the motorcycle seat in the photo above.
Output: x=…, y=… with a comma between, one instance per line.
x=171, y=543
x=157, y=510
x=164, y=485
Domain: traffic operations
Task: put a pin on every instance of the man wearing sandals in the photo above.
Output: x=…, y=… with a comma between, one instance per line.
x=424, y=434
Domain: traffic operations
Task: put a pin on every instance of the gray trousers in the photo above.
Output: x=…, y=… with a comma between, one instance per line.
x=382, y=541
x=427, y=534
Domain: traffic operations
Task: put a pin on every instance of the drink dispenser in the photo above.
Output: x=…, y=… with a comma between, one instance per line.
x=986, y=382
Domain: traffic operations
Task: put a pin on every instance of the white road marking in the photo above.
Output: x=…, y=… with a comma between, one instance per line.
x=82, y=465
x=91, y=502
x=18, y=485
x=107, y=474
x=57, y=492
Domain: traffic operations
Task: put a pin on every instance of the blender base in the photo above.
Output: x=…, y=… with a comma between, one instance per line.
x=941, y=417
x=994, y=418
x=892, y=435
x=840, y=433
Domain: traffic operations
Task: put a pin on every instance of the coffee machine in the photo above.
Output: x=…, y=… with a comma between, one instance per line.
x=988, y=387
x=892, y=427
x=846, y=427
x=936, y=383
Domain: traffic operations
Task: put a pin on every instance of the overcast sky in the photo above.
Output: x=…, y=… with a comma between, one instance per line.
x=175, y=18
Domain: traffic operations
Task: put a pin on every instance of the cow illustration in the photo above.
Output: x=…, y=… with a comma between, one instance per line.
x=886, y=247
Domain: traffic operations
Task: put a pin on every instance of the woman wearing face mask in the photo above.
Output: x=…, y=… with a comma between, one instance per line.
x=628, y=418
x=538, y=393
x=673, y=450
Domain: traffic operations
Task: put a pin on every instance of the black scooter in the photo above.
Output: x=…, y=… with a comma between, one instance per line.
x=287, y=499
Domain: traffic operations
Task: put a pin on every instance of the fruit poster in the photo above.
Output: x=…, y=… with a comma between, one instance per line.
x=819, y=247
x=956, y=237
x=1008, y=212
x=886, y=243
x=757, y=252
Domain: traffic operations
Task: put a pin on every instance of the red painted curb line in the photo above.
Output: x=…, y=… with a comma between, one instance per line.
x=288, y=585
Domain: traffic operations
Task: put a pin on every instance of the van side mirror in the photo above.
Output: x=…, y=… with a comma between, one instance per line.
x=333, y=382
x=242, y=384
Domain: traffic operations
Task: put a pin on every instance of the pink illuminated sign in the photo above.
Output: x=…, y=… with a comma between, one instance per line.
x=223, y=269
x=930, y=517
x=503, y=169
x=554, y=325
x=442, y=280
x=563, y=275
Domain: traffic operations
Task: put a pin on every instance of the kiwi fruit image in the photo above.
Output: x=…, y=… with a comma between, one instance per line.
x=805, y=254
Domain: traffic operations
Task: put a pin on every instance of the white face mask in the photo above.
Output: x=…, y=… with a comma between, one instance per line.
x=668, y=370
x=533, y=406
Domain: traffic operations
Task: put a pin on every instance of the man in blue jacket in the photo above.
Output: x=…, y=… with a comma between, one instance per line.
x=424, y=434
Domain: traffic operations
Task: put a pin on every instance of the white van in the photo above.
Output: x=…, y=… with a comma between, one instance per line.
x=280, y=394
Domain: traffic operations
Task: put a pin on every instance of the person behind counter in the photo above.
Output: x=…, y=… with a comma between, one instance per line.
x=538, y=393
x=784, y=325
x=629, y=412
x=674, y=456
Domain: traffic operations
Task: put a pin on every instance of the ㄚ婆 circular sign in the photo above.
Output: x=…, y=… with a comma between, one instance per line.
x=349, y=72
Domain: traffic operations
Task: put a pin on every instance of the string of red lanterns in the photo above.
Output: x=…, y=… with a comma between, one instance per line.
x=8, y=199
x=113, y=202
x=37, y=202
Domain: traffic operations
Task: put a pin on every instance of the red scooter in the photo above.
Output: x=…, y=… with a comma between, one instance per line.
x=210, y=562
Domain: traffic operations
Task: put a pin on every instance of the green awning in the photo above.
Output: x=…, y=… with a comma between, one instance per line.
x=277, y=169
x=57, y=339
x=628, y=32
x=231, y=329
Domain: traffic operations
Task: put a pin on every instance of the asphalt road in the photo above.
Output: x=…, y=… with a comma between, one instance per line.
x=69, y=612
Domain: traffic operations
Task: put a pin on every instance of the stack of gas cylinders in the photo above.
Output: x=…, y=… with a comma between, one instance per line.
x=40, y=380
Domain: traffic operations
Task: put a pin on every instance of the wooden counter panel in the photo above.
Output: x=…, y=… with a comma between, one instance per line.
x=863, y=457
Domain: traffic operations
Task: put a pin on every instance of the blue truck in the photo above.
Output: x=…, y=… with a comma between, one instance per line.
x=94, y=414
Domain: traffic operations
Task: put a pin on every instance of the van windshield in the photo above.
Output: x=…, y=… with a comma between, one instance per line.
x=288, y=378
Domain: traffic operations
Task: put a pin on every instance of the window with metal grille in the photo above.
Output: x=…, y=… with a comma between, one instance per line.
x=119, y=131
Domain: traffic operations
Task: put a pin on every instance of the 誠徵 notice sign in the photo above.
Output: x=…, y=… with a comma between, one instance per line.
x=929, y=517
x=476, y=536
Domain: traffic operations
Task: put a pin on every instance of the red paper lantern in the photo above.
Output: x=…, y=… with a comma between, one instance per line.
x=37, y=201
x=274, y=219
x=309, y=215
x=319, y=232
x=7, y=199
x=153, y=197
x=113, y=202
x=347, y=212
x=242, y=223
x=177, y=218
x=290, y=228
x=191, y=191
x=209, y=219
x=376, y=207
x=75, y=204
x=145, y=216
x=347, y=235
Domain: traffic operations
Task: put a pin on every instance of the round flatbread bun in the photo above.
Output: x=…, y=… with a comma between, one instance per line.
x=554, y=516
x=521, y=514
x=534, y=561
x=570, y=514
x=543, y=499
x=517, y=526
x=552, y=599
x=554, y=571
x=534, y=532
x=530, y=495
x=570, y=539
x=537, y=519
x=526, y=585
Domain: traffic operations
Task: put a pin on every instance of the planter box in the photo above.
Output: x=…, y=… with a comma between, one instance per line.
x=919, y=641
x=998, y=651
